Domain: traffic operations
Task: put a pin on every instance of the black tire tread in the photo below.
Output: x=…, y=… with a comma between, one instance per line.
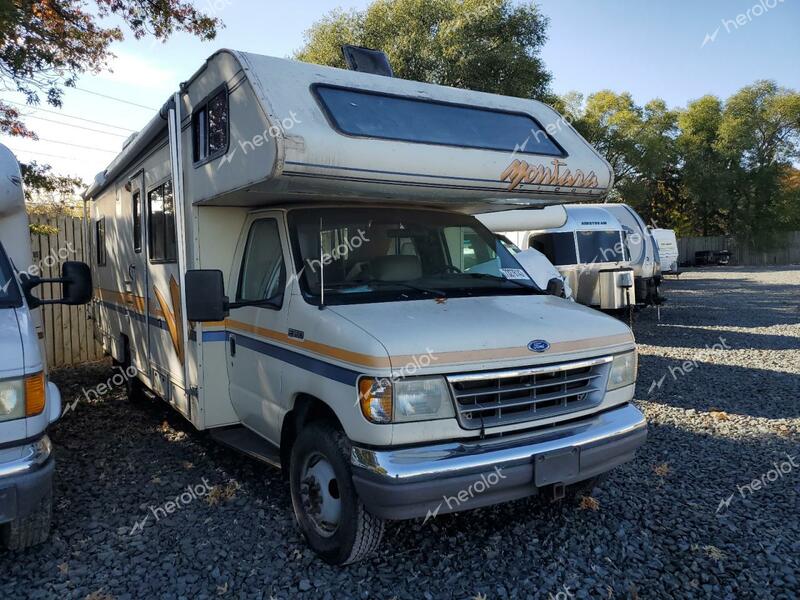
x=369, y=528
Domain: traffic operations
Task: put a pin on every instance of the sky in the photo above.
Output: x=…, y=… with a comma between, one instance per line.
x=677, y=50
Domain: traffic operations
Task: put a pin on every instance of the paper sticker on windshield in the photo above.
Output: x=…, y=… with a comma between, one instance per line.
x=515, y=274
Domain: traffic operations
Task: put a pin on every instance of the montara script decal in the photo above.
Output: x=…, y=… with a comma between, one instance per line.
x=521, y=172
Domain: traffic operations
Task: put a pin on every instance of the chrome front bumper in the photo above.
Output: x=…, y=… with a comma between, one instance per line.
x=409, y=482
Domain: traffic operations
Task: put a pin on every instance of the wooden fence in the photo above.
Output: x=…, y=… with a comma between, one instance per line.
x=787, y=254
x=69, y=336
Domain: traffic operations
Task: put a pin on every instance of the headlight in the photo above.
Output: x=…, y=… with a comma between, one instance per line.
x=12, y=399
x=404, y=400
x=623, y=371
x=422, y=399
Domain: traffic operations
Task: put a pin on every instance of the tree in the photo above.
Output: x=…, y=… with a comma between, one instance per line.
x=485, y=45
x=705, y=170
x=45, y=45
x=637, y=141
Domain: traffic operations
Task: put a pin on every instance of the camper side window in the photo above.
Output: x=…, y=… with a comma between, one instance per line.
x=559, y=248
x=263, y=273
x=161, y=224
x=210, y=128
x=136, y=200
x=100, y=241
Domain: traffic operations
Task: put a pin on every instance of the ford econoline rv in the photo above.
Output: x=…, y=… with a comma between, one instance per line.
x=29, y=402
x=587, y=245
x=287, y=255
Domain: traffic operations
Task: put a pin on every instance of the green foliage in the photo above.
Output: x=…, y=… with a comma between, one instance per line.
x=485, y=45
x=41, y=229
x=713, y=168
x=40, y=183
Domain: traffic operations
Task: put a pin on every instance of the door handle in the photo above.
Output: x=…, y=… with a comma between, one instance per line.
x=232, y=343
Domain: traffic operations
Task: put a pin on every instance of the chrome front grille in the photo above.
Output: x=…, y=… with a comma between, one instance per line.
x=494, y=398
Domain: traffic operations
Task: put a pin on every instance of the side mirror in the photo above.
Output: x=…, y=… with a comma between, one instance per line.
x=555, y=287
x=205, y=296
x=76, y=285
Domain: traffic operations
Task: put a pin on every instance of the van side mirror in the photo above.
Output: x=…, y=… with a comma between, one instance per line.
x=205, y=296
x=76, y=285
x=555, y=287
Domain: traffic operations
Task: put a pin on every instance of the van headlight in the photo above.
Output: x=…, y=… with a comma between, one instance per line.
x=405, y=400
x=623, y=371
x=12, y=399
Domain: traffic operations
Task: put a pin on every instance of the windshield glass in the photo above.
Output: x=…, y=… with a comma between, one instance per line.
x=382, y=254
x=9, y=292
x=600, y=247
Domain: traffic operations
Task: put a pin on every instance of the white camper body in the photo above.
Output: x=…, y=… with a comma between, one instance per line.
x=643, y=250
x=29, y=402
x=368, y=308
x=586, y=244
x=667, y=245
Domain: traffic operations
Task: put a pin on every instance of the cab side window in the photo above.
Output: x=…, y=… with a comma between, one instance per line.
x=263, y=274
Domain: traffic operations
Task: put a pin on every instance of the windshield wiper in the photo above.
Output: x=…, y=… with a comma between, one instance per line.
x=382, y=283
x=491, y=277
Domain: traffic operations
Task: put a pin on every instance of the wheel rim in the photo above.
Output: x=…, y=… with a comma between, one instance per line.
x=320, y=494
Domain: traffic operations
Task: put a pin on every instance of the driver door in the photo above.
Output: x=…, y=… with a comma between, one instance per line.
x=254, y=369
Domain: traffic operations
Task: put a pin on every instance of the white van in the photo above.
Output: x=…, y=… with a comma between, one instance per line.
x=287, y=255
x=29, y=403
x=668, y=254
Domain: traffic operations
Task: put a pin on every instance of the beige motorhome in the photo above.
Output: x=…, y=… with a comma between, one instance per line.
x=287, y=255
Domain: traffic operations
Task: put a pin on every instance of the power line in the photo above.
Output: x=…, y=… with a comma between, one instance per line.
x=56, y=112
x=79, y=146
x=81, y=127
x=37, y=154
x=114, y=98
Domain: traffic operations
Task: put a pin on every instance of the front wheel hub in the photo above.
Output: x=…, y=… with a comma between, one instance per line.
x=320, y=495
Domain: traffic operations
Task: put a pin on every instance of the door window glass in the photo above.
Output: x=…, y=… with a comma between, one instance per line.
x=262, y=275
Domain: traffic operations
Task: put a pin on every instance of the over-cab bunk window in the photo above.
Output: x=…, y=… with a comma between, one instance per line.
x=375, y=115
x=161, y=224
x=210, y=124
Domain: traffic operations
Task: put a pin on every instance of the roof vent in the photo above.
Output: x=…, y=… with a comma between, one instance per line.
x=367, y=60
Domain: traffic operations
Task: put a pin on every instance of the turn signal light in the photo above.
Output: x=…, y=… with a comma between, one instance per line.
x=34, y=394
x=375, y=398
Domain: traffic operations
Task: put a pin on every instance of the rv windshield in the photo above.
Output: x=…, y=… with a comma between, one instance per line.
x=383, y=254
x=9, y=292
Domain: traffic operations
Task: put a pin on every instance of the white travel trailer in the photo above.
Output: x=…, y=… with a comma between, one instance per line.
x=29, y=402
x=667, y=245
x=379, y=343
x=587, y=245
x=643, y=251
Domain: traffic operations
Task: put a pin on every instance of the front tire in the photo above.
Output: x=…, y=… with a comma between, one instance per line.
x=30, y=530
x=326, y=506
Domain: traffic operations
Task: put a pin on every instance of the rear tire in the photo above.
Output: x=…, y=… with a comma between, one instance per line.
x=327, y=508
x=30, y=530
x=134, y=390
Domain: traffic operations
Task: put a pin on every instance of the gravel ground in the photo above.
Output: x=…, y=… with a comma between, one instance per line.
x=720, y=384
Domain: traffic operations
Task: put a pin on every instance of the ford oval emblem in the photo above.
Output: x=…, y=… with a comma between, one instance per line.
x=538, y=346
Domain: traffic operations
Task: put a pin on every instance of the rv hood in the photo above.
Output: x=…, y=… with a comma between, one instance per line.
x=487, y=332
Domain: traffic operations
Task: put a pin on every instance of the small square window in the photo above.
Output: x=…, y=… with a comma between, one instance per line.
x=210, y=126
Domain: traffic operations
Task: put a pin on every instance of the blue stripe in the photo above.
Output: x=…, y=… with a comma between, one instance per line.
x=307, y=363
x=153, y=321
